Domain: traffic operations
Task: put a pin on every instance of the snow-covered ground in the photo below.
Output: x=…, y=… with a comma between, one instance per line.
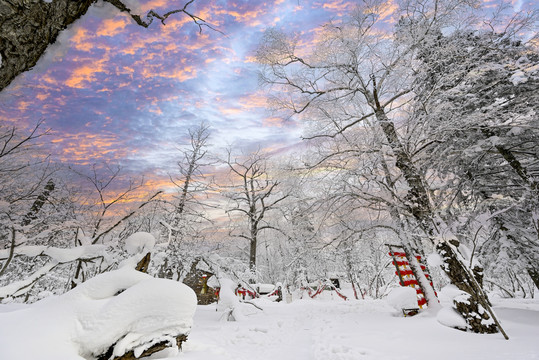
x=319, y=329
x=356, y=330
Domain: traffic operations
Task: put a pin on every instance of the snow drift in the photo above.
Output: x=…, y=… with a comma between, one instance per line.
x=125, y=308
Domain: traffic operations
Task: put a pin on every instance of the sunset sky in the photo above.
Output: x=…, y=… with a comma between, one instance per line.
x=117, y=92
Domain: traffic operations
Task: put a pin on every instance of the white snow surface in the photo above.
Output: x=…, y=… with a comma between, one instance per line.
x=356, y=330
x=306, y=329
x=124, y=306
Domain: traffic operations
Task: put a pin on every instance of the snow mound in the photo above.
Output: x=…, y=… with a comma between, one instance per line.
x=451, y=318
x=448, y=316
x=124, y=308
x=403, y=298
x=139, y=242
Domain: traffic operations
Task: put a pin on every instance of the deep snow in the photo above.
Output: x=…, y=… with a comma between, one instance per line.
x=356, y=330
x=123, y=307
x=318, y=329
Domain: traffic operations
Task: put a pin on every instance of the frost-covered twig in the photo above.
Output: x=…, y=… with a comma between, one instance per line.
x=252, y=303
x=20, y=287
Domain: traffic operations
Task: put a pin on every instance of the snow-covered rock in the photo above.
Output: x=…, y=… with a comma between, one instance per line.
x=451, y=318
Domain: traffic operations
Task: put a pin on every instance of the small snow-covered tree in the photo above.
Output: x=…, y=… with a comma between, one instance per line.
x=184, y=217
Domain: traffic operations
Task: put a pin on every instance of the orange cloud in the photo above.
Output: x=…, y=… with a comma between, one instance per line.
x=80, y=75
x=252, y=101
x=231, y=110
x=42, y=96
x=154, y=4
x=250, y=17
x=387, y=11
x=133, y=47
x=339, y=6
x=81, y=40
x=23, y=105
x=181, y=74
x=272, y=122
x=111, y=27
x=86, y=73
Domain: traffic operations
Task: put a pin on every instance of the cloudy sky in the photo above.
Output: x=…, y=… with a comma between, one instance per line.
x=113, y=91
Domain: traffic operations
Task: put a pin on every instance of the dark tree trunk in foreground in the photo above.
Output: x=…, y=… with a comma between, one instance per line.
x=474, y=304
x=28, y=27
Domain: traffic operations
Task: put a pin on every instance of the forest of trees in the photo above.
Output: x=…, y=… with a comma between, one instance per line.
x=427, y=137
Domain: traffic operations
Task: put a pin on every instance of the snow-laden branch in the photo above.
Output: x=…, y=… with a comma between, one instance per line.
x=60, y=255
x=18, y=288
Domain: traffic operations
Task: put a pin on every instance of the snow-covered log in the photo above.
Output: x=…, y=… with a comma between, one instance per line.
x=121, y=314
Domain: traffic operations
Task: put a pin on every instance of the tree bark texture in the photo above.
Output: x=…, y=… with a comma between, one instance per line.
x=38, y=204
x=472, y=306
x=534, y=275
x=144, y=263
x=252, y=253
x=27, y=27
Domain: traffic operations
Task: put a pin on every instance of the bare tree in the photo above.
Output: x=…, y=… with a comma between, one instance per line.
x=191, y=180
x=104, y=209
x=23, y=173
x=253, y=194
x=187, y=212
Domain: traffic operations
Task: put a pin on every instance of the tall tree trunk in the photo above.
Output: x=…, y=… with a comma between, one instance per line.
x=473, y=305
x=423, y=282
x=252, y=253
x=27, y=27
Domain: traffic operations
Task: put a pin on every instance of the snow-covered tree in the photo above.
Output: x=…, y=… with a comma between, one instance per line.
x=477, y=97
x=184, y=217
x=356, y=73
